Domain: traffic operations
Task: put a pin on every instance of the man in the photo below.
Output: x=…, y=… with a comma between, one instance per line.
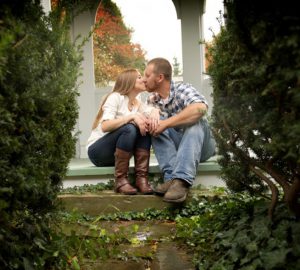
x=182, y=138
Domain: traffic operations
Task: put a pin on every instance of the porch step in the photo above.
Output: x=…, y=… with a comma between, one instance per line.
x=108, y=202
x=82, y=171
x=83, y=167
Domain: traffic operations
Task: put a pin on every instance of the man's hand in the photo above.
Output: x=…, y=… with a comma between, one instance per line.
x=188, y=116
x=162, y=125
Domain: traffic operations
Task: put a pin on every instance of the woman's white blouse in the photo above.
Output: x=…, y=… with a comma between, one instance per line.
x=116, y=106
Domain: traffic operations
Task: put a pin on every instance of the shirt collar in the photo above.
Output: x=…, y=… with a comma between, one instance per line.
x=171, y=95
x=172, y=90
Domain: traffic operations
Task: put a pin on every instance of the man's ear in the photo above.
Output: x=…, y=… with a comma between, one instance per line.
x=161, y=77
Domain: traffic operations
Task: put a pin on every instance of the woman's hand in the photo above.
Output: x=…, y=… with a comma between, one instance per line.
x=142, y=122
x=153, y=120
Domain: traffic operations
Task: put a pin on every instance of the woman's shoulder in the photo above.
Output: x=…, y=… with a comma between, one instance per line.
x=115, y=96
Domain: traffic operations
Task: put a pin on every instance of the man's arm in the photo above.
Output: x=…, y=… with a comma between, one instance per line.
x=188, y=116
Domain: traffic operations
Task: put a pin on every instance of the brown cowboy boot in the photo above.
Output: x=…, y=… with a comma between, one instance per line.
x=141, y=162
x=122, y=184
x=177, y=192
x=162, y=188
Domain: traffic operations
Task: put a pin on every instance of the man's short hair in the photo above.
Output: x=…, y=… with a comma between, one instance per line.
x=162, y=66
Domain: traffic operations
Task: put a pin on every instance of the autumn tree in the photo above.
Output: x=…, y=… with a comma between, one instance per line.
x=113, y=49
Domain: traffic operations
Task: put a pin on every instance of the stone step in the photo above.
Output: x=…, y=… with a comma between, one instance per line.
x=150, y=245
x=107, y=202
x=167, y=257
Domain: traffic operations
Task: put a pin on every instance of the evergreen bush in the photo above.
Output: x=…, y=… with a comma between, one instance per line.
x=39, y=67
x=233, y=233
x=255, y=77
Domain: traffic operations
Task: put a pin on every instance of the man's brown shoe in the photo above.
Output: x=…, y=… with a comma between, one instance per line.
x=177, y=192
x=161, y=189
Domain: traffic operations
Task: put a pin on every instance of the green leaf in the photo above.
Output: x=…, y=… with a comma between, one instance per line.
x=275, y=258
x=27, y=264
x=75, y=263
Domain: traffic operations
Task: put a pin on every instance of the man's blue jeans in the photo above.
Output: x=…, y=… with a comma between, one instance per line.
x=180, y=150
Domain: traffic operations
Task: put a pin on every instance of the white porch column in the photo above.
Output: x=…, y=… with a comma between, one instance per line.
x=193, y=52
x=82, y=25
x=190, y=12
x=46, y=4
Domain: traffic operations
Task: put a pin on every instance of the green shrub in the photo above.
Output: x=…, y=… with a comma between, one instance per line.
x=255, y=77
x=234, y=233
x=38, y=74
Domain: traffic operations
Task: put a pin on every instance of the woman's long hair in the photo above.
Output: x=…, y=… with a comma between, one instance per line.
x=124, y=83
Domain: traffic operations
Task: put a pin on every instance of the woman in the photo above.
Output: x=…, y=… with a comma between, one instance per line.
x=120, y=131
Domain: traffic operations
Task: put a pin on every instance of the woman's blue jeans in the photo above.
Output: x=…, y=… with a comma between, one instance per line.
x=180, y=150
x=127, y=138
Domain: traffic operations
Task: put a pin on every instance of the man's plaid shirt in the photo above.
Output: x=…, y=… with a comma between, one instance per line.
x=181, y=95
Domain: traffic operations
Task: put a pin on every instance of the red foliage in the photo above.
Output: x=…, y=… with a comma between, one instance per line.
x=113, y=50
x=110, y=25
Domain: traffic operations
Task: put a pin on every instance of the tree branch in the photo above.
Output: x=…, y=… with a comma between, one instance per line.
x=280, y=179
x=273, y=188
x=291, y=197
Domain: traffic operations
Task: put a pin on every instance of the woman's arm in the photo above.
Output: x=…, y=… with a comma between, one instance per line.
x=137, y=119
x=113, y=124
x=111, y=108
